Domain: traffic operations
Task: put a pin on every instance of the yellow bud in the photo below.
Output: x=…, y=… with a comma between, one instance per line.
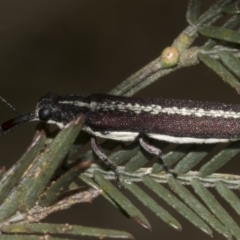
x=169, y=57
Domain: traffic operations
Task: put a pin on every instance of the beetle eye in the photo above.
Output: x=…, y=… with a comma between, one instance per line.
x=45, y=114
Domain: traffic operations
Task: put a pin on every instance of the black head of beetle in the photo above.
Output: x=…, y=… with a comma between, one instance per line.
x=52, y=108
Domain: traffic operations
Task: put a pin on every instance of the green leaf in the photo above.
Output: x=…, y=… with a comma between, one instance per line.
x=138, y=161
x=219, y=69
x=151, y=204
x=125, y=154
x=42, y=170
x=232, y=8
x=176, y=204
x=47, y=228
x=229, y=196
x=120, y=199
x=61, y=185
x=172, y=157
x=14, y=174
x=141, y=158
x=230, y=24
x=220, y=159
x=24, y=237
x=92, y=184
x=216, y=208
x=194, y=10
x=231, y=62
x=25, y=195
x=193, y=158
x=197, y=206
x=220, y=33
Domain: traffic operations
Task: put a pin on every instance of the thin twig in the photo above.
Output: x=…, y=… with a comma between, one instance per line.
x=231, y=181
x=37, y=212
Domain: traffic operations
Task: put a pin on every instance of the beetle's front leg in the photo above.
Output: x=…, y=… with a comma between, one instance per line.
x=99, y=152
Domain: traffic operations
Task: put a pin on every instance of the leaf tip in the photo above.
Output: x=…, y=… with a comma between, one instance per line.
x=143, y=224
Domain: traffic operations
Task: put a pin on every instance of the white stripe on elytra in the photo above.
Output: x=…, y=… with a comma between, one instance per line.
x=181, y=140
x=119, y=136
x=77, y=103
x=131, y=136
x=154, y=109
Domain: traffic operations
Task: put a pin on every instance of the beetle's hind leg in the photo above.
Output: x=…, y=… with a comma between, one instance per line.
x=155, y=151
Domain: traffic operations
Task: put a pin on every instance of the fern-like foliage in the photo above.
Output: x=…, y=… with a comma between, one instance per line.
x=41, y=182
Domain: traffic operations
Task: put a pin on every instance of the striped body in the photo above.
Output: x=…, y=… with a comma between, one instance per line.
x=124, y=118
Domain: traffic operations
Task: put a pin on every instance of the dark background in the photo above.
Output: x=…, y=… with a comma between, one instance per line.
x=86, y=47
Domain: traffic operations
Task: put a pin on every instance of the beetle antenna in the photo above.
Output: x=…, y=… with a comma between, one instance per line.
x=8, y=104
